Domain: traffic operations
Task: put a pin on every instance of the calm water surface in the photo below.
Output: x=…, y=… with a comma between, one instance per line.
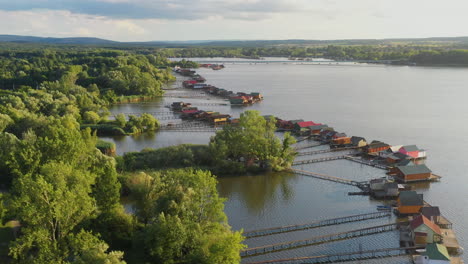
x=397, y=104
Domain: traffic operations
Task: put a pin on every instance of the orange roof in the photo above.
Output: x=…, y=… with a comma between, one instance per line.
x=421, y=219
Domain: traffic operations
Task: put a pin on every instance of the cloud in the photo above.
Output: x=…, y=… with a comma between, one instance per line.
x=57, y=23
x=164, y=9
x=234, y=19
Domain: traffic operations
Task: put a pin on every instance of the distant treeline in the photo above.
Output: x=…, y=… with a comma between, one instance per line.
x=405, y=54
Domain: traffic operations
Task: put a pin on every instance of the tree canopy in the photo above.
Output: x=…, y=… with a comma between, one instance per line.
x=253, y=142
x=183, y=217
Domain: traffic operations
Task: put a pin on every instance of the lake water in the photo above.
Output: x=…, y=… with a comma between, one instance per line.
x=400, y=105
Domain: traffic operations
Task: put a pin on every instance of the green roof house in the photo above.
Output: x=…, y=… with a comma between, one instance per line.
x=435, y=254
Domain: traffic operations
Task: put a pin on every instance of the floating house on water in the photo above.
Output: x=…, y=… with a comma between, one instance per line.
x=424, y=231
x=304, y=124
x=432, y=213
x=434, y=254
x=315, y=129
x=412, y=173
x=340, y=142
x=409, y=203
x=413, y=151
x=395, y=158
x=376, y=146
x=382, y=188
x=358, y=141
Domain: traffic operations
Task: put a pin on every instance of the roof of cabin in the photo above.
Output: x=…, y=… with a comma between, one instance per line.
x=316, y=127
x=409, y=198
x=430, y=211
x=296, y=121
x=306, y=124
x=355, y=139
x=420, y=220
x=378, y=144
x=414, y=169
x=410, y=148
x=437, y=252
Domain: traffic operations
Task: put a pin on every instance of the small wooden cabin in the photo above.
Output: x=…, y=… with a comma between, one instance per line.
x=418, y=172
x=358, y=141
x=409, y=203
x=424, y=231
x=376, y=146
x=434, y=254
x=432, y=213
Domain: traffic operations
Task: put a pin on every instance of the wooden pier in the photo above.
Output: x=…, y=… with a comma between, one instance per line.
x=318, y=240
x=206, y=104
x=325, y=151
x=344, y=257
x=310, y=146
x=191, y=127
x=364, y=185
x=154, y=113
x=301, y=162
x=303, y=139
x=315, y=224
x=187, y=95
x=366, y=162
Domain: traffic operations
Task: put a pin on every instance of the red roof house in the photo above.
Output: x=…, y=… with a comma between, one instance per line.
x=304, y=124
x=424, y=230
x=410, y=150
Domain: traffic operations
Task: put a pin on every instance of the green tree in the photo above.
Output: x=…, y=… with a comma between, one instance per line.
x=121, y=120
x=5, y=121
x=148, y=122
x=106, y=189
x=253, y=142
x=91, y=117
x=184, y=217
x=86, y=249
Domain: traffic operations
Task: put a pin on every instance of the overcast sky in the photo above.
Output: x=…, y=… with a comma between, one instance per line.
x=145, y=20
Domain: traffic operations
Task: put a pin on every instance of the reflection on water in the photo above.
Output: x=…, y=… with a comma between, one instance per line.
x=258, y=190
x=421, y=186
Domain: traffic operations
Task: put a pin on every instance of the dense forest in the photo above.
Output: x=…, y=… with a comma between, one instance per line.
x=60, y=195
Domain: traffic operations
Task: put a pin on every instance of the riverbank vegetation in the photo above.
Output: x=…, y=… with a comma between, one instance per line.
x=61, y=201
x=250, y=146
x=122, y=125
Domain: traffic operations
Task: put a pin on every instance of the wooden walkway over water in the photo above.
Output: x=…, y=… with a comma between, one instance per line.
x=323, y=159
x=306, y=153
x=367, y=162
x=158, y=115
x=318, y=240
x=187, y=95
x=310, y=146
x=190, y=126
x=154, y=113
x=315, y=224
x=362, y=185
x=344, y=257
